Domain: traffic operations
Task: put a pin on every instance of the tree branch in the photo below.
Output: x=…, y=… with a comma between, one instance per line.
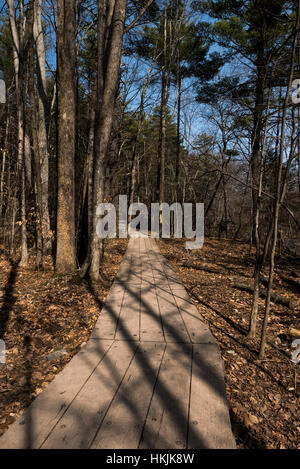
x=140, y=15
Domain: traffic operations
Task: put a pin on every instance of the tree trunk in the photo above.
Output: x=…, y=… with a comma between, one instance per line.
x=256, y=165
x=87, y=190
x=43, y=123
x=66, y=34
x=18, y=55
x=299, y=149
x=259, y=259
x=137, y=137
x=163, y=110
x=3, y=166
x=280, y=189
x=34, y=124
x=109, y=61
x=178, y=148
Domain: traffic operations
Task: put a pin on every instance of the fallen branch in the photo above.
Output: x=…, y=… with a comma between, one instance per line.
x=212, y=270
x=291, y=282
x=279, y=299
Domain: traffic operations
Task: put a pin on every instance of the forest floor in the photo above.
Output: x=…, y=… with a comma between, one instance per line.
x=263, y=395
x=45, y=319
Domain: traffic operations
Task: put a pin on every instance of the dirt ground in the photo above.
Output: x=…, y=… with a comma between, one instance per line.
x=263, y=395
x=44, y=319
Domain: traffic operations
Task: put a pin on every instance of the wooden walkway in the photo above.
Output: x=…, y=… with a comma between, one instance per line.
x=150, y=376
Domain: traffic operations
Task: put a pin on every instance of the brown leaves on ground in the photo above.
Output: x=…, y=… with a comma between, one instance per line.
x=263, y=395
x=44, y=319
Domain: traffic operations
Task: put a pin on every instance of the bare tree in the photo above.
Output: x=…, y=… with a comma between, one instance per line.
x=280, y=187
x=43, y=123
x=18, y=55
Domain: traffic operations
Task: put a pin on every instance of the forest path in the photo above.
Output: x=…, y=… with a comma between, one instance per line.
x=151, y=375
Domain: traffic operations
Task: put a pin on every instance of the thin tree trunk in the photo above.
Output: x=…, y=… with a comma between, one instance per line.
x=279, y=191
x=4, y=159
x=35, y=136
x=43, y=123
x=259, y=259
x=87, y=190
x=299, y=149
x=163, y=110
x=178, y=148
x=137, y=137
x=256, y=168
x=21, y=135
x=18, y=55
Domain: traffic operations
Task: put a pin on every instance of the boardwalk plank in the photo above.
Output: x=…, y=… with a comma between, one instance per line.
x=167, y=421
x=151, y=375
x=128, y=327
x=209, y=416
x=173, y=325
x=151, y=324
x=123, y=424
x=77, y=428
x=198, y=330
x=106, y=325
x=35, y=424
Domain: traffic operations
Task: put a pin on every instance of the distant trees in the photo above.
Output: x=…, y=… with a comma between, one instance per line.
x=179, y=49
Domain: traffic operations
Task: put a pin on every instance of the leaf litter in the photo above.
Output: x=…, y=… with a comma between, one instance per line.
x=44, y=320
x=263, y=395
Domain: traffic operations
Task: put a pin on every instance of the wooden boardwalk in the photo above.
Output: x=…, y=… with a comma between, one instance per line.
x=151, y=375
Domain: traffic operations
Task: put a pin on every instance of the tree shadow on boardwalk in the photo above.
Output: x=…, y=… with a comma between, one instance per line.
x=88, y=422
x=165, y=394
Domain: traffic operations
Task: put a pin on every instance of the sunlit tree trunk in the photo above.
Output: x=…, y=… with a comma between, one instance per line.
x=66, y=33
x=18, y=54
x=111, y=18
x=43, y=122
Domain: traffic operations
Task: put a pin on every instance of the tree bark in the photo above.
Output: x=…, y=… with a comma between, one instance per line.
x=109, y=61
x=18, y=54
x=66, y=35
x=43, y=124
x=259, y=259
